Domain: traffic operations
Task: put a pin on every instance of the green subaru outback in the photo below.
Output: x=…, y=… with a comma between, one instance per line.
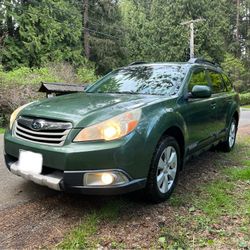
x=133, y=129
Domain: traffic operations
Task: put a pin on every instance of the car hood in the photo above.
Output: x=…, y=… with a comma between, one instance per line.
x=84, y=109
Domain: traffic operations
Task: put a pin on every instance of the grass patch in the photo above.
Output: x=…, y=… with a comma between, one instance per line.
x=216, y=198
x=246, y=106
x=226, y=196
x=239, y=173
x=176, y=200
x=80, y=237
x=247, y=198
x=2, y=130
x=170, y=241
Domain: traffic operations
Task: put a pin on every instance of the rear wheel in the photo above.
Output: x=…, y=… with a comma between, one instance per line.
x=164, y=170
x=229, y=143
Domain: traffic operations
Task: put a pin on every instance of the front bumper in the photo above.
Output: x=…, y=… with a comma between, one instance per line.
x=127, y=154
x=72, y=181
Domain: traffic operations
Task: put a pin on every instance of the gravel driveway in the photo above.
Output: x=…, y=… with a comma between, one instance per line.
x=33, y=216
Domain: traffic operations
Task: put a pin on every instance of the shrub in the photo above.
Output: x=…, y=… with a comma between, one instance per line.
x=64, y=72
x=13, y=96
x=24, y=75
x=238, y=72
x=245, y=98
x=86, y=76
x=20, y=86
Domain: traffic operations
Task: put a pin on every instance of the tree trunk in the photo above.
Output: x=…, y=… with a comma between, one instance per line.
x=237, y=20
x=85, y=28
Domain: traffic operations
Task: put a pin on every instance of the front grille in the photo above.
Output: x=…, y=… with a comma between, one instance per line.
x=42, y=131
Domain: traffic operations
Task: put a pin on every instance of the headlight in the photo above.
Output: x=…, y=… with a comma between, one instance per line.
x=111, y=129
x=15, y=114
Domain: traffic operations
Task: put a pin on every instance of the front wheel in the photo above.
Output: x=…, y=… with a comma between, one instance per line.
x=164, y=170
x=229, y=143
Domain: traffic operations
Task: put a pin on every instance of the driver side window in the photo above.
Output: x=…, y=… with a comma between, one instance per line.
x=198, y=78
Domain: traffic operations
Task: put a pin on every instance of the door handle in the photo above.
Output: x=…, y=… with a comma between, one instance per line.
x=213, y=105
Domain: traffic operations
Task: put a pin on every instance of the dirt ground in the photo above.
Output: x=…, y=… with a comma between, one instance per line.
x=44, y=222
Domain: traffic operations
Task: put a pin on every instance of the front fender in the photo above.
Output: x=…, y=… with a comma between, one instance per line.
x=165, y=121
x=154, y=128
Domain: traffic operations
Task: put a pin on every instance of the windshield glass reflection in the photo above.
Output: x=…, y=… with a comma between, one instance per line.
x=151, y=80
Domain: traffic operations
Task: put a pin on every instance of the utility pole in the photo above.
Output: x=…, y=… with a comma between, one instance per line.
x=237, y=20
x=191, y=25
x=85, y=28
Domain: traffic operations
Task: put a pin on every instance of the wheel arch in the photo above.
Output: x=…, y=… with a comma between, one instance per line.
x=176, y=132
x=165, y=124
x=236, y=117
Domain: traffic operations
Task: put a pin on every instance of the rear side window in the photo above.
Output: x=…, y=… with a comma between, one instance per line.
x=217, y=82
x=198, y=78
x=227, y=82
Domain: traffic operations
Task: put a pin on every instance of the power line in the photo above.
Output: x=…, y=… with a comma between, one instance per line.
x=93, y=12
x=102, y=33
x=102, y=24
x=94, y=22
x=96, y=12
x=97, y=5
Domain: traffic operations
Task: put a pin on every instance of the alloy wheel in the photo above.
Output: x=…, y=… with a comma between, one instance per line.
x=232, y=134
x=167, y=169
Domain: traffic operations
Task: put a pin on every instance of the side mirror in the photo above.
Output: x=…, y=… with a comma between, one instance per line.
x=201, y=91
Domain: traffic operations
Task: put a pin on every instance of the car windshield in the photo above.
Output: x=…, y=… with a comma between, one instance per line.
x=149, y=80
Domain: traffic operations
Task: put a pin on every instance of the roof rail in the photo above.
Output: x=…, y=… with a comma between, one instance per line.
x=137, y=63
x=204, y=61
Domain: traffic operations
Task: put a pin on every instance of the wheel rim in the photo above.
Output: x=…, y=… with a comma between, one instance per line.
x=232, y=134
x=167, y=168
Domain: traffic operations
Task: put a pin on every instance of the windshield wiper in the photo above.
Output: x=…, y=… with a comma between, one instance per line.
x=125, y=92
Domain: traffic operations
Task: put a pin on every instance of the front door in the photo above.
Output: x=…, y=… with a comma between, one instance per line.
x=199, y=113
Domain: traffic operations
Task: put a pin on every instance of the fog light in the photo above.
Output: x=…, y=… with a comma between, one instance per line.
x=104, y=178
x=107, y=178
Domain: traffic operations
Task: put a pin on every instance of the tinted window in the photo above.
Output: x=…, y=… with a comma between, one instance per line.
x=198, y=78
x=152, y=80
x=217, y=82
x=227, y=82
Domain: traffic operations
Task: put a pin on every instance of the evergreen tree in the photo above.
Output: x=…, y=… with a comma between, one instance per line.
x=43, y=31
x=104, y=31
x=156, y=34
x=33, y=32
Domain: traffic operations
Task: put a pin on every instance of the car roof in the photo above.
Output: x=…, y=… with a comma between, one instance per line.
x=184, y=64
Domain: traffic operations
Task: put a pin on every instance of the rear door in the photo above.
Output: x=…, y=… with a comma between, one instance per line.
x=199, y=113
x=222, y=101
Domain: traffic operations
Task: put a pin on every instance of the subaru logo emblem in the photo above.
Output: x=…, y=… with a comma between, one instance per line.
x=37, y=125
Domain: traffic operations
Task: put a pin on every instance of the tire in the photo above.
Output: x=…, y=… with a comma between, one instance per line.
x=165, y=167
x=229, y=143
